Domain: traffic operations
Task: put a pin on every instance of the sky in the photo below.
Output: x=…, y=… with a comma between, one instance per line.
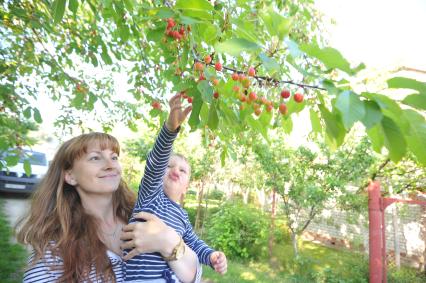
x=382, y=34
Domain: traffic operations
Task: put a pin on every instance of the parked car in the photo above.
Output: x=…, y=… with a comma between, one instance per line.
x=14, y=179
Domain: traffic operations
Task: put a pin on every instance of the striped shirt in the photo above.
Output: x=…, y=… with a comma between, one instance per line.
x=48, y=269
x=152, y=199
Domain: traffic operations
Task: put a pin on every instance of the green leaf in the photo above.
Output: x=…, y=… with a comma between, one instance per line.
x=27, y=167
x=223, y=156
x=376, y=136
x=401, y=82
x=294, y=48
x=73, y=6
x=105, y=56
x=11, y=160
x=373, y=115
x=213, y=119
x=270, y=64
x=209, y=32
x=287, y=125
x=417, y=101
x=194, y=5
x=351, y=108
x=235, y=46
x=194, y=119
x=394, y=139
x=27, y=112
x=58, y=10
x=417, y=135
x=195, y=8
x=335, y=131
x=206, y=91
x=37, y=116
x=331, y=57
x=295, y=107
x=315, y=121
x=275, y=23
x=255, y=124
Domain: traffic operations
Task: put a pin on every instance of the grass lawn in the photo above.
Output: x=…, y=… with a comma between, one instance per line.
x=12, y=256
x=340, y=266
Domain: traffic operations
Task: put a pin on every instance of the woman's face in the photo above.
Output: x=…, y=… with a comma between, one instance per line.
x=95, y=172
x=176, y=179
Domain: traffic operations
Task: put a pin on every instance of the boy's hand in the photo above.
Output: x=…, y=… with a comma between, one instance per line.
x=177, y=114
x=219, y=262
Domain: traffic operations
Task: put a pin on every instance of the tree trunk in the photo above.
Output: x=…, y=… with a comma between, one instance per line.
x=294, y=242
x=272, y=259
x=199, y=208
x=205, y=213
x=246, y=194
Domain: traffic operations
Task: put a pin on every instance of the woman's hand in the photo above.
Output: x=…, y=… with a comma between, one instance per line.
x=147, y=237
x=177, y=114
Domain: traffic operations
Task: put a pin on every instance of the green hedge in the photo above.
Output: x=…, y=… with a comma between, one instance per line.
x=13, y=256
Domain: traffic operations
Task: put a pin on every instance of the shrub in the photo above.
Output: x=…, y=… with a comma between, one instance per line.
x=239, y=230
x=404, y=275
x=216, y=194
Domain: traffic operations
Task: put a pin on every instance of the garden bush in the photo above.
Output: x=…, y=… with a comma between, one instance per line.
x=239, y=230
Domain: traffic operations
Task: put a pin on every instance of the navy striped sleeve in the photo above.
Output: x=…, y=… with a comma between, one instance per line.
x=201, y=249
x=156, y=164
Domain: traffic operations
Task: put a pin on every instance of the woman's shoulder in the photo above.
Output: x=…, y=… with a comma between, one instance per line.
x=44, y=268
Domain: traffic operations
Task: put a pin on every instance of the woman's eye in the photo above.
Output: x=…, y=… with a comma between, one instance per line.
x=115, y=158
x=94, y=158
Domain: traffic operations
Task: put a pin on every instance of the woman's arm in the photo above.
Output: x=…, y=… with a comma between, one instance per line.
x=155, y=236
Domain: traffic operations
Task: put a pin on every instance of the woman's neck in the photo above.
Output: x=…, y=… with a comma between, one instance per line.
x=99, y=206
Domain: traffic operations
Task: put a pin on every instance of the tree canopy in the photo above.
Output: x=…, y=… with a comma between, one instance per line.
x=246, y=66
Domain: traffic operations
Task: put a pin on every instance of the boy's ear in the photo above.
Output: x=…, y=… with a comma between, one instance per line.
x=69, y=178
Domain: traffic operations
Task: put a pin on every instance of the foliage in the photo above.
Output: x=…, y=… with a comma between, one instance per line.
x=216, y=194
x=405, y=275
x=239, y=230
x=10, y=265
x=70, y=51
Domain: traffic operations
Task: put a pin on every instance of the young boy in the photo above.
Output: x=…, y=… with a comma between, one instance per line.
x=165, y=180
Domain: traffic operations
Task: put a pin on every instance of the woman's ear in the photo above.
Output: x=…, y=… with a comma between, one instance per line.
x=69, y=178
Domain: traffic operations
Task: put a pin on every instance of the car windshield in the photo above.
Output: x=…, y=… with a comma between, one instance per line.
x=35, y=158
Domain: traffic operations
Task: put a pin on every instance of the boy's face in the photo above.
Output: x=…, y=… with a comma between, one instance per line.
x=176, y=179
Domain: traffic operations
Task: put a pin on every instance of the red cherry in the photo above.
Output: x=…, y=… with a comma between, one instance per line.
x=252, y=96
x=235, y=76
x=216, y=95
x=251, y=72
x=198, y=66
x=298, y=97
x=207, y=59
x=156, y=105
x=218, y=66
x=283, y=109
x=285, y=93
x=189, y=99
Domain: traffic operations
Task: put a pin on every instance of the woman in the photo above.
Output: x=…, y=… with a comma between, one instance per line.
x=78, y=214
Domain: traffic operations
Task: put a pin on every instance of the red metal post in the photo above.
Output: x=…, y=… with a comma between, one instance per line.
x=375, y=233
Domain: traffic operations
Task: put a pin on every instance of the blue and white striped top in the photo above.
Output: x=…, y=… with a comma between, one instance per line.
x=48, y=269
x=152, y=199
